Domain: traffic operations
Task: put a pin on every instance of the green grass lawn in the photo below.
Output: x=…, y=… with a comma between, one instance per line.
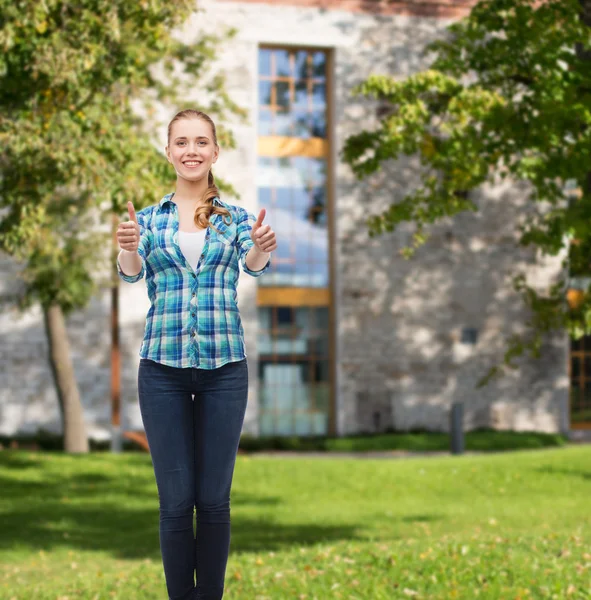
x=513, y=526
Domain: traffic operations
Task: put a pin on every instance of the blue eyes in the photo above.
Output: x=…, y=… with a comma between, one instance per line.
x=179, y=143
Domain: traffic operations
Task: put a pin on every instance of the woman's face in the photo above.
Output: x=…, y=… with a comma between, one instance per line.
x=191, y=149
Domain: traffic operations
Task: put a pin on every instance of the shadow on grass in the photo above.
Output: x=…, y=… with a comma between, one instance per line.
x=18, y=460
x=420, y=518
x=574, y=472
x=117, y=511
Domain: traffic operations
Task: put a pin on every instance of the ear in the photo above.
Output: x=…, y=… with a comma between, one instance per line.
x=167, y=151
x=216, y=154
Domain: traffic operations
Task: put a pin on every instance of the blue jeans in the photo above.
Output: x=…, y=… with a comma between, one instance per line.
x=193, y=445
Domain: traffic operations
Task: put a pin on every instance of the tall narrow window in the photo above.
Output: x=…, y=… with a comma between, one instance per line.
x=580, y=383
x=294, y=296
x=580, y=350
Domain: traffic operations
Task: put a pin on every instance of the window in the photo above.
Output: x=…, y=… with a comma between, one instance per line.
x=294, y=297
x=580, y=382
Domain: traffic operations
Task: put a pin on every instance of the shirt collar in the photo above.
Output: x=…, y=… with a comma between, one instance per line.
x=168, y=198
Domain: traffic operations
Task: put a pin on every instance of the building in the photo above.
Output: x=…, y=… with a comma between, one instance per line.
x=343, y=335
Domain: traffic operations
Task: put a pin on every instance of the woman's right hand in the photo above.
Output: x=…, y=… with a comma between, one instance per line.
x=128, y=233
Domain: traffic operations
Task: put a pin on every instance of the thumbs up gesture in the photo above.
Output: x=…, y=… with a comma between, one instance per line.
x=263, y=236
x=128, y=233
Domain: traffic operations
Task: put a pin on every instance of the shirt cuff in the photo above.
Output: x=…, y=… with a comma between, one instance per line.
x=131, y=278
x=250, y=271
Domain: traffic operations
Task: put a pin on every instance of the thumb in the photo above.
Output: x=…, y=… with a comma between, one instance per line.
x=131, y=211
x=259, y=221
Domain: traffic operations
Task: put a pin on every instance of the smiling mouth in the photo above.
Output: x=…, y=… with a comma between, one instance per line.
x=192, y=163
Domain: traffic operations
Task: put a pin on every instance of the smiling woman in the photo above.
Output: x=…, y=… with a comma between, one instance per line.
x=193, y=374
x=192, y=149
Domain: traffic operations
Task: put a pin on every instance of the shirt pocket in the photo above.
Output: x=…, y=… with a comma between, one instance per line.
x=164, y=237
x=226, y=234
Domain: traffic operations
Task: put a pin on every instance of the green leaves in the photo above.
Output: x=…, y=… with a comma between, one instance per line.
x=81, y=85
x=508, y=95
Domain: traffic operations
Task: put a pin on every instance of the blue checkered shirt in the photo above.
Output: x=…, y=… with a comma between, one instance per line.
x=193, y=320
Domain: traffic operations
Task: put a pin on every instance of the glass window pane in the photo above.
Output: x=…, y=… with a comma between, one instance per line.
x=284, y=275
x=318, y=214
x=282, y=94
x=282, y=123
x=284, y=423
x=282, y=68
x=320, y=254
x=321, y=396
x=322, y=372
x=284, y=316
x=301, y=201
x=301, y=396
x=575, y=397
x=319, y=64
x=303, y=424
x=283, y=252
x=321, y=319
x=265, y=92
x=264, y=62
x=284, y=345
x=266, y=394
x=284, y=399
x=284, y=230
x=265, y=121
x=318, y=123
x=283, y=198
x=301, y=62
x=266, y=427
x=575, y=364
x=301, y=94
x=318, y=344
x=302, y=164
x=264, y=317
x=264, y=343
x=285, y=175
x=319, y=94
x=301, y=124
x=264, y=197
x=319, y=275
x=317, y=168
x=302, y=319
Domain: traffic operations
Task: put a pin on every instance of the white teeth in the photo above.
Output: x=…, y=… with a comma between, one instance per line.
x=192, y=163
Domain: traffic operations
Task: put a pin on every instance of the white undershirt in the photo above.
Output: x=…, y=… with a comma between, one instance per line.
x=191, y=244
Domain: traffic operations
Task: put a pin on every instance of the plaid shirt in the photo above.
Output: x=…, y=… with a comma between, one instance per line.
x=193, y=320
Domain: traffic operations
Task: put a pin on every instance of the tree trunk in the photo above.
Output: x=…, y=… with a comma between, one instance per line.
x=73, y=425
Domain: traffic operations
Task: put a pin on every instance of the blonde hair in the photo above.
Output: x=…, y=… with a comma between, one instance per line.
x=206, y=208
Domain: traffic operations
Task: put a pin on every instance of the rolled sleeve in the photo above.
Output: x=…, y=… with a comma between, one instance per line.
x=244, y=226
x=144, y=248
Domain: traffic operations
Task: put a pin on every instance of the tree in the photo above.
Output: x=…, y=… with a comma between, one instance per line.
x=508, y=95
x=79, y=87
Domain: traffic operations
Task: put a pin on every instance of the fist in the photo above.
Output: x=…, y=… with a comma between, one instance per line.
x=128, y=233
x=262, y=235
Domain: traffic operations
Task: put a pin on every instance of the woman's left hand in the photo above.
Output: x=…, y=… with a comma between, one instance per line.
x=263, y=236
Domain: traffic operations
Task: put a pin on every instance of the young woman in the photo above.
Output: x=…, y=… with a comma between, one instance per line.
x=189, y=247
